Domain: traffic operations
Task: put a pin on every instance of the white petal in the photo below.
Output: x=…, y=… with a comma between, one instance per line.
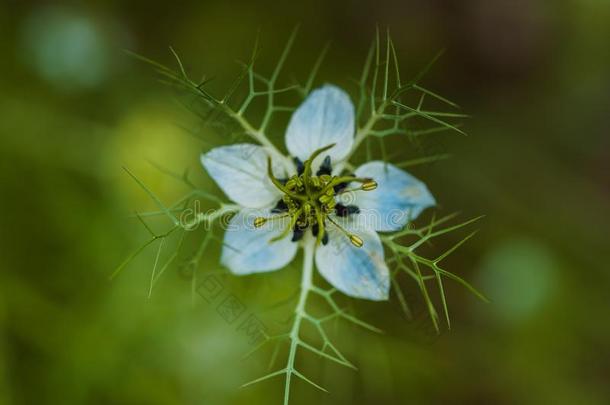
x=248, y=249
x=357, y=272
x=398, y=198
x=325, y=117
x=241, y=172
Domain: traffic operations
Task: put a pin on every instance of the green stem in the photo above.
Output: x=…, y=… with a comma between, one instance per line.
x=299, y=312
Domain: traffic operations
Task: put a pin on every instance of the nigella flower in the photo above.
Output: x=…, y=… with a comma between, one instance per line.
x=287, y=202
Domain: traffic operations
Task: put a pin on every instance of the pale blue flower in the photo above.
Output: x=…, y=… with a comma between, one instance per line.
x=351, y=257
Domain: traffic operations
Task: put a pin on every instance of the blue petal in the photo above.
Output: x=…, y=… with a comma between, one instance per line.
x=241, y=172
x=325, y=117
x=249, y=250
x=357, y=272
x=398, y=198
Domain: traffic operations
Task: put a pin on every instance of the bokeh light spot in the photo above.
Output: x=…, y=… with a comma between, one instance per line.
x=518, y=276
x=65, y=48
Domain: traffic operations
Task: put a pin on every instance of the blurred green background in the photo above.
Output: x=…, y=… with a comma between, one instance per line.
x=75, y=108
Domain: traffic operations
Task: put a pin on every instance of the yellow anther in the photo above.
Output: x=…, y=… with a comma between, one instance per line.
x=291, y=183
x=356, y=241
x=259, y=221
x=306, y=209
x=369, y=185
x=325, y=199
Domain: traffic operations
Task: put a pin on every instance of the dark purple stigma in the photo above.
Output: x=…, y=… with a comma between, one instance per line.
x=345, y=210
x=279, y=207
x=300, y=166
x=325, y=167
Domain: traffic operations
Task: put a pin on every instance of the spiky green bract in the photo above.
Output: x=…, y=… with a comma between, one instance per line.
x=384, y=109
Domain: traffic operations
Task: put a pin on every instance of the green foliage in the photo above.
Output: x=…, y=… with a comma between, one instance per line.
x=383, y=110
x=407, y=260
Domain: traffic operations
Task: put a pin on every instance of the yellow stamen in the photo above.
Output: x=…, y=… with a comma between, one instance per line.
x=260, y=221
x=356, y=241
x=339, y=180
x=293, y=220
x=291, y=183
x=306, y=209
x=325, y=199
x=369, y=185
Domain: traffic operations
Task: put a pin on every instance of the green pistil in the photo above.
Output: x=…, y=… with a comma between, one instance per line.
x=321, y=229
x=310, y=199
x=293, y=220
x=279, y=185
x=367, y=184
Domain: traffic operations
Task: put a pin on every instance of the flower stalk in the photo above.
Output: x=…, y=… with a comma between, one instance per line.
x=299, y=312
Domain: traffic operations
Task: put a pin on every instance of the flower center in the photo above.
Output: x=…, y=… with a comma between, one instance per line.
x=309, y=200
